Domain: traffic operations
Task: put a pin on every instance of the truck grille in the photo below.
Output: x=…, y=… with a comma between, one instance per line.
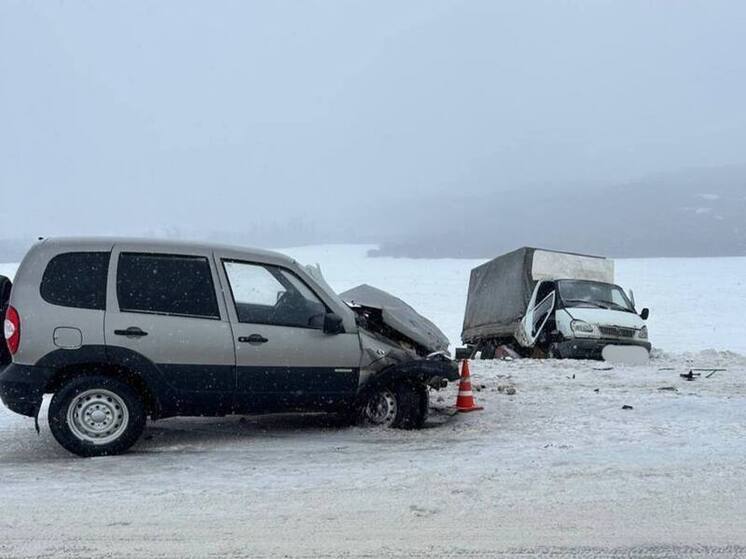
x=617, y=332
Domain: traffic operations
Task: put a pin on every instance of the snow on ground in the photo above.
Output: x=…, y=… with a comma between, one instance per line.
x=557, y=469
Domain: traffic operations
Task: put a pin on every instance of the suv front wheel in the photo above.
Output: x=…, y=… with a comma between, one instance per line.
x=96, y=416
x=403, y=406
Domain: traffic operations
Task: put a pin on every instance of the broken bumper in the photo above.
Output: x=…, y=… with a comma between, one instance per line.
x=441, y=370
x=591, y=349
x=22, y=387
x=431, y=371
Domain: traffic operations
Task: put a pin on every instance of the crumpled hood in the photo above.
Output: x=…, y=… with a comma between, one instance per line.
x=398, y=316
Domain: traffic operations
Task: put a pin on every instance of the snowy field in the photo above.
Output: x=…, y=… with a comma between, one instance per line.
x=559, y=469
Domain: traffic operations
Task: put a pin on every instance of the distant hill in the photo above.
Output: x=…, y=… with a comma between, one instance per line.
x=693, y=213
x=700, y=212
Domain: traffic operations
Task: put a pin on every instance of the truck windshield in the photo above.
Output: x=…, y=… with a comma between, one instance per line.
x=583, y=293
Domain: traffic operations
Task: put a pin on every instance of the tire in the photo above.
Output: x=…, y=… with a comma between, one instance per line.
x=403, y=406
x=464, y=353
x=488, y=350
x=96, y=416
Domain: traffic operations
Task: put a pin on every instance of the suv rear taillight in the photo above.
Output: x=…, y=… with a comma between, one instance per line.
x=12, y=329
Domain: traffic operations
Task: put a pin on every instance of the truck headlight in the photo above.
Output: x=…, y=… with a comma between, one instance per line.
x=643, y=333
x=582, y=327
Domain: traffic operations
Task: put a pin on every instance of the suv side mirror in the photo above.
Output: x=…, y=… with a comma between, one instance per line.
x=645, y=313
x=333, y=324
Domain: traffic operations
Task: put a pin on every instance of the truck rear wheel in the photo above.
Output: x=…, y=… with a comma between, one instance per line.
x=403, y=406
x=96, y=416
x=488, y=350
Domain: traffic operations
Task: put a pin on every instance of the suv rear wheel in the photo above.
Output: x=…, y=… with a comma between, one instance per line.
x=403, y=406
x=96, y=416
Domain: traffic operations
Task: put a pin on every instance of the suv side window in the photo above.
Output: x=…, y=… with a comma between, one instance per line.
x=170, y=284
x=76, y=279
x=266, y=294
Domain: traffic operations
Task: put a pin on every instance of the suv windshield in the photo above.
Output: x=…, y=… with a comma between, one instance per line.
x=583, y=293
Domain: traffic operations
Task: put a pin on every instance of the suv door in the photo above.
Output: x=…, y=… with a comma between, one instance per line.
x=284, y=360
x=163, y=306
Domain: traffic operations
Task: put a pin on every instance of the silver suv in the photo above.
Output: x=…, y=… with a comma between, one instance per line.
x=120, y=330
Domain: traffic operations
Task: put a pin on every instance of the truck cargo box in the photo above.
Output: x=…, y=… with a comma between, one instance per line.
x=500, y=290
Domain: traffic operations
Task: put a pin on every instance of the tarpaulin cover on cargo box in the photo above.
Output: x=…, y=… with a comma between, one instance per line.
x=500, y=290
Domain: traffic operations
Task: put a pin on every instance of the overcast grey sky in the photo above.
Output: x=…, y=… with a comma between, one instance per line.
x=126, y=117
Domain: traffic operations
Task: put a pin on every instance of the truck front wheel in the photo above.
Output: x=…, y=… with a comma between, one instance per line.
x=402, y=406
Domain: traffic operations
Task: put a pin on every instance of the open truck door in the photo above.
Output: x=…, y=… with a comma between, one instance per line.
x=536, y=317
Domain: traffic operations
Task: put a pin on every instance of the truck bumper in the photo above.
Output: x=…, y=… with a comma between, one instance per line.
x=590, y=348
x=22, y=387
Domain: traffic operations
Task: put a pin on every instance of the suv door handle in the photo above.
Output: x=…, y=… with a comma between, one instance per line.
x=131, y=332
x=254, y=339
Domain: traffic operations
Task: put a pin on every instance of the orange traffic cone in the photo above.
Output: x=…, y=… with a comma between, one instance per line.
x=465, y=401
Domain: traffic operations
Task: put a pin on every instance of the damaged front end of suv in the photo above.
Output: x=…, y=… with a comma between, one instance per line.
x=403, y=355
x=398, y=342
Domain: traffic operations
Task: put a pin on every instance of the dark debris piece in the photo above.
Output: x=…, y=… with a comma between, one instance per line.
x=710, y=371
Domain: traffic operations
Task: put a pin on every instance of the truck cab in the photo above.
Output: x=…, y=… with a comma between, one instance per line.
x=579, y=318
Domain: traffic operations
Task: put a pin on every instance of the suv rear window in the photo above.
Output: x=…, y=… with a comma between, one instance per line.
x=166, y=284
x=76, y=279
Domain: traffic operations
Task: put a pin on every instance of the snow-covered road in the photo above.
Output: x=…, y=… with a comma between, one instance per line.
x=558, y=468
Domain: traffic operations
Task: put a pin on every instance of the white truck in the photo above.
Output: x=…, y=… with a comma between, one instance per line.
x=556, y=304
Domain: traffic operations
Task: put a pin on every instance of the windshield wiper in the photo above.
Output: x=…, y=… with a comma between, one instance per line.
x=587, y=302
x=622, y=307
